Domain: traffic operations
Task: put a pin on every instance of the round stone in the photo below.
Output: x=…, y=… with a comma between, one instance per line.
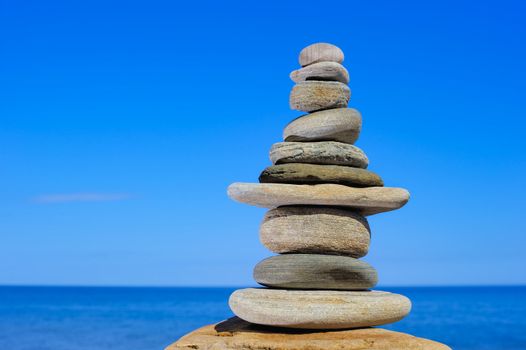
x=315, y=271
x=342, y=125
x=311, y=96
x=298, y=173
x=315, y=309
x=324, y=71
x=322, y=230
x=366, y=201
x=326, y=153
x=320, y=52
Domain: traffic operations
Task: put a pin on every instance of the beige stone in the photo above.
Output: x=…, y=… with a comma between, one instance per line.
x=325, y=71
x=366, y=201
x=236, y=334
x=311, y=96
x=322, y=230
x=316, y=309
x=324, y=152
x=341, y=124
x=320, y=52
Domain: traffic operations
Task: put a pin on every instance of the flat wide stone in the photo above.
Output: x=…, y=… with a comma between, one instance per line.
x=324, y=71
x=316, y=309
x=297, y=173
x=236, y=334
x=341, y=124
x=366, y=201
x=315, y=271
x=319, y=230
x=310, y=96
x=320, y=52
x=325, y=152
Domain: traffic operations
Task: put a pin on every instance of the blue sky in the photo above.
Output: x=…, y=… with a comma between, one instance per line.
x=123, y=122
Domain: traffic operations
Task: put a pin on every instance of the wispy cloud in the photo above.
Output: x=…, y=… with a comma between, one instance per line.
x=80, y=197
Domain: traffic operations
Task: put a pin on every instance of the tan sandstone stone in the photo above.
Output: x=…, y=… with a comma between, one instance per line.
x=366, y=201
x=317, y=309
x=325, y=71
x=320, y=52
x=322, y=230
x=311, y=96
x=236, y=334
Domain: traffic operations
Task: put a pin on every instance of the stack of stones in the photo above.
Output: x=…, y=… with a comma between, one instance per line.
x=319, y=194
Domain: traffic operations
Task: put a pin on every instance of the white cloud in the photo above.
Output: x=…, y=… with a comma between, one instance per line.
x=81, y=197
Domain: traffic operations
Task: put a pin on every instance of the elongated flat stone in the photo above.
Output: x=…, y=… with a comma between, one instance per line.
x=310, y=96
x=320, y=52
x=324, y=71
x=297, y=173
x=366, y=201
x=236, y=334
x=322, y=230
x=315, y=271
x=342, y=125
x=327, y=153
x=315, y=309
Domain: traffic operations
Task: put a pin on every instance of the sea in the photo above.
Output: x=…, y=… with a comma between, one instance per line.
x=128, y=318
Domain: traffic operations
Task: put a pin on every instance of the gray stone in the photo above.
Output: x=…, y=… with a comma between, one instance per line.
x=326, y=153
x=342, y=125
x=298, y=173
x=311, y=96
x=320, y=52
x=315, y=271
x=322, y=230
x=366, y=201
x=325, y=71
x=316, y=309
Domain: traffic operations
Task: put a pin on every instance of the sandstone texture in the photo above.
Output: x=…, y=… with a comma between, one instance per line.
x=320, y=52
x=322, y=230
x=315, y=271
x=324, y=152
x=340, y=124
x=366, y=201
x=318, y=309
x=324, y=71
x=297, y=173
x=310, y=96
x=236, y=334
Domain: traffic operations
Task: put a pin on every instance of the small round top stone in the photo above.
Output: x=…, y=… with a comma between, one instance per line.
x=320, y=52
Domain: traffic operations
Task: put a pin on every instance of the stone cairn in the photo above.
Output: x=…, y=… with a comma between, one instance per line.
x=319, y=194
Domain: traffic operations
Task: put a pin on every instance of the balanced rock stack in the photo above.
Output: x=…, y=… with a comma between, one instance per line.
x=319, y=194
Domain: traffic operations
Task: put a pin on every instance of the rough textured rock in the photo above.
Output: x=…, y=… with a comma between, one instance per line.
x=236, y=334
x=310, y=96
x=341, y=124
x=316, y=309
x=320, y=52
x=366, y=201
x=325, y=152
x=324, y=71
x=297, y=173
x=315, y=271
x=322, y=230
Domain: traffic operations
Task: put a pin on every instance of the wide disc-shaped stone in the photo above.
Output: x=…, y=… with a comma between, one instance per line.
x=322, y=230
x=320, y=52
x=366, y=201
x=324, y=71
x=341, y=124
x=325, y=152
x=310, y=96
x=315, y=271
x=297, y=173
x=316, y=309
x=236, y=334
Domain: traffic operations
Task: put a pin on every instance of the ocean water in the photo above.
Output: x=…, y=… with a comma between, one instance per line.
x=56, y=318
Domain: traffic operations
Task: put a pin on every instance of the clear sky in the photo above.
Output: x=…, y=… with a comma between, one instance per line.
x=123, y=122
